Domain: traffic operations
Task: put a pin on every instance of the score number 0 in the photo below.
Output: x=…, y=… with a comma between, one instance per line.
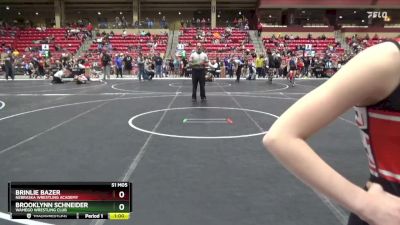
x=121, y=194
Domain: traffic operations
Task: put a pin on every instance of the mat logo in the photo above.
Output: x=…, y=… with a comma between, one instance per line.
x=377, y=14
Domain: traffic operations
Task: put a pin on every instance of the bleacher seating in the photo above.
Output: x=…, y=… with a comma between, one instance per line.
x=221, y=50
x=7, y=38
x=120, y=44
x=365, y=42
x=27, y=37
x=318, y=45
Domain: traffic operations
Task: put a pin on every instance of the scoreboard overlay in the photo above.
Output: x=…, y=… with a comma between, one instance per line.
x=70, y=200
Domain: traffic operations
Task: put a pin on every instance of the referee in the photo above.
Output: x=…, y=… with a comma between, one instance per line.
x=198, y=61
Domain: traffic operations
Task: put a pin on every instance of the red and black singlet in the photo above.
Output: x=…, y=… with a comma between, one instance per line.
x=380, y=133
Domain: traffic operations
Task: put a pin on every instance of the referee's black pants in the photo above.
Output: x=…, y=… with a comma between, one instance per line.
x=9, y=72
x=198, y=76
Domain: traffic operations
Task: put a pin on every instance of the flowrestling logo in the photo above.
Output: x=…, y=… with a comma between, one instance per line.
x=377, y=14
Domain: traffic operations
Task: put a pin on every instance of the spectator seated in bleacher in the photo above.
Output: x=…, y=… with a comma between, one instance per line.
x=145, y=33
x=124, y=34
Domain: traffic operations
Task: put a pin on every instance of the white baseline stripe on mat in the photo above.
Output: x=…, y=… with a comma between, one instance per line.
x=163, y=78
x=347, y=121
x=82, y=94
x=80, y=103
x=143, y=149
x=336, y=210
x=50, y=129
x=6, y=216
x=31, y=86
x=140, y=154
x=63, y=89
x=245, y=112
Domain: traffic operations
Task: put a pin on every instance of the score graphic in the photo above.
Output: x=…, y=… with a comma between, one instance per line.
x=70, y=200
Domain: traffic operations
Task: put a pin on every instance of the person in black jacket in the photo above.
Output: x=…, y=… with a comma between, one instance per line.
x=128, y=63
x=105, y=61
x=9, y=64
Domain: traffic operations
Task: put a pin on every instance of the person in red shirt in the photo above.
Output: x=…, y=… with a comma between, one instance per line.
x=300, y=67
x=373, y=85
x=89, y=28
x=259, y=28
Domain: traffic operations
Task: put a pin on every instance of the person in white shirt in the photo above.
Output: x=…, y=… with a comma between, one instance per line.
x=198, y=60
x=57, y=77
x=213, y=67
x=124, y=34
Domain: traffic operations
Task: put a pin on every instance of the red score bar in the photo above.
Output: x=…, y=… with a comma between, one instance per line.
x=83, y=195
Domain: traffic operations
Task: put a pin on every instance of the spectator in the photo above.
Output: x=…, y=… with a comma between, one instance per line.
x=148, y=69
x=230, y=67
x=124, y=23
x=238, y=66
x=163, y=23
x=286, y=37
x=213, y=65
x=259, y=29
x=89, y=28
x=128, y=63
x=124, y=34
x=105, y=60
x=203, y=23
x=177, y=66
x=260, y=64
x=158, y=65
x=9, y=66
x=235, y=22
x=171, y=67
x=118, y=64
x=140, y=62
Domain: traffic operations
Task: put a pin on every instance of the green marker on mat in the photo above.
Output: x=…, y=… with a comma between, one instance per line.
x=185, y=120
